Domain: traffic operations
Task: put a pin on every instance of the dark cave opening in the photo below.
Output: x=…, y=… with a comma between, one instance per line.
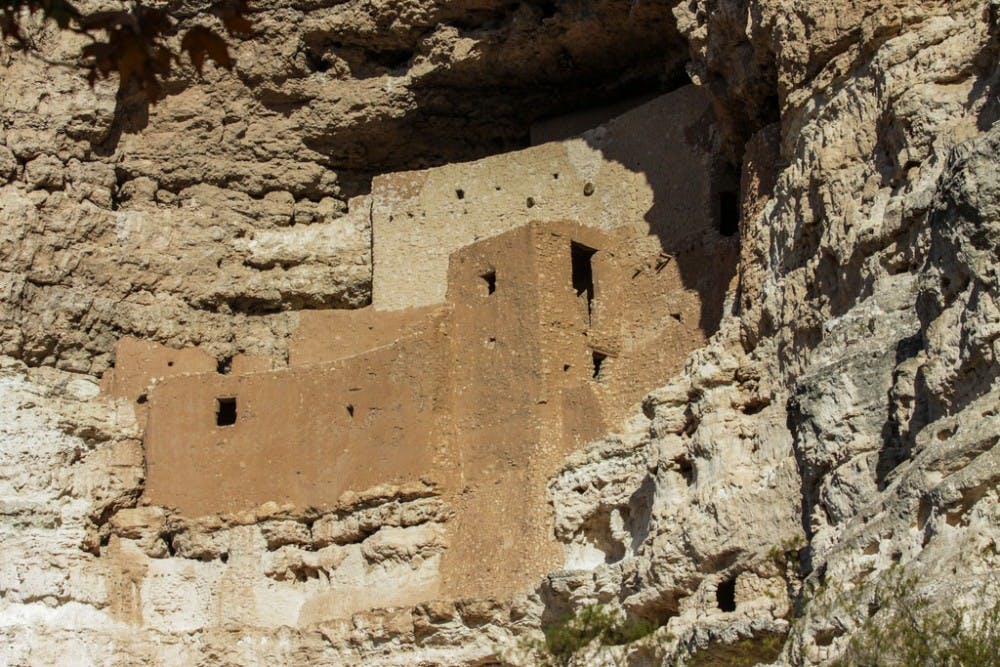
x=725, y=595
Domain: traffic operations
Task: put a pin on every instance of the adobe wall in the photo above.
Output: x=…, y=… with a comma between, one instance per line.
x=645, y=318
x=510, y=428
x=141, y=363
x=302, y=436
x=665, y=306
x=329, y=335
x=524, y=388
x=460, y=398
x=651, y=169
x=497, y=384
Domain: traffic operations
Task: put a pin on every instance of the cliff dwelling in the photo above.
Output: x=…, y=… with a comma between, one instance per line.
x=523, y=305
x=407, y=333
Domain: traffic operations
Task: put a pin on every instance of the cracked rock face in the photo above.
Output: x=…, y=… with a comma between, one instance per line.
x=839, y=430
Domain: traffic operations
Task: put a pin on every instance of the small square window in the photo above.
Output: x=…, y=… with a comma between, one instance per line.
x=225, y=411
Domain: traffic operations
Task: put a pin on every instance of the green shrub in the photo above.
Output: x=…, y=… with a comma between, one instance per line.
x=565, y=638
x=747, y=652
x=912, y=632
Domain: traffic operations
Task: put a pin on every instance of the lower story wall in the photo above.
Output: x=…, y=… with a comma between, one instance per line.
x=298, y=436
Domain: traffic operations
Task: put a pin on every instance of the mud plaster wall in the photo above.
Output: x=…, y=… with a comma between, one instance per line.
x=652, y=169
x=302, y=436
x=497, y=384
x=328, y=335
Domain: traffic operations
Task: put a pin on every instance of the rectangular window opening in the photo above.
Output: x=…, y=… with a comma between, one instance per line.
x=490, y=279
x=225, y=411
x=583, y=275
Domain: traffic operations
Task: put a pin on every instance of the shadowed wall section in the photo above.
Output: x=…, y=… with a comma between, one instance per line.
x=652, y=174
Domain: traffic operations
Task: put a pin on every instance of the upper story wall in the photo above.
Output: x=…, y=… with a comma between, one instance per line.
x=651, y=170
x=329, y=335
x=494, y=339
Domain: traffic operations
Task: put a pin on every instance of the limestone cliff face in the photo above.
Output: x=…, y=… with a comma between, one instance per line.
x=840, y=427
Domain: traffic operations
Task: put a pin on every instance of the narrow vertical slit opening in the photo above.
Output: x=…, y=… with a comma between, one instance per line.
x=490, y=281
x=583, y=275
x=598, y=363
